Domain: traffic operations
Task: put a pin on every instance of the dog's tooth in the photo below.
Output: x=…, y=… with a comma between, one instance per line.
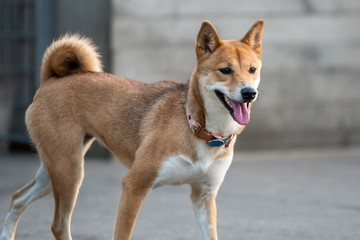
x=227, y=100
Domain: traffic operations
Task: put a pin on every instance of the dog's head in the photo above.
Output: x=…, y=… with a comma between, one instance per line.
x=229, y=71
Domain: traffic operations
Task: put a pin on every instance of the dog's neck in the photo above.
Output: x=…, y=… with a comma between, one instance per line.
x=212, y=116
x=194, y=100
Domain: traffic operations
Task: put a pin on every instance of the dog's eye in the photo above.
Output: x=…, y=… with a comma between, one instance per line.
x=226, y=70
x=252, y=70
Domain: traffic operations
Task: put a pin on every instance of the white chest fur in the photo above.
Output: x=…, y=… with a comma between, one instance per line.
x=207, y=170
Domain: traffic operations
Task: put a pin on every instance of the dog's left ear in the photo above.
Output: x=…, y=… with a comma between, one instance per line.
x=254, y=36
x=207, y=40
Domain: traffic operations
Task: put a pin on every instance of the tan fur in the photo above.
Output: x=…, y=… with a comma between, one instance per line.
x=208, y=201
x=70, y=54
x=20, y=192
x=143, y=125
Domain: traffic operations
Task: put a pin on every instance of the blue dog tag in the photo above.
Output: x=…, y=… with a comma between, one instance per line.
x=216, y=143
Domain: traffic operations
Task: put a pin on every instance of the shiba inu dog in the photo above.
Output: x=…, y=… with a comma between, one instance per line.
x=165, y=133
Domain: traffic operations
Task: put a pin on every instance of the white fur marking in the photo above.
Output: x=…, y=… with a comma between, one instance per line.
x=203, y=221
x=41, y=188
x=179, y=170
x=205, y=171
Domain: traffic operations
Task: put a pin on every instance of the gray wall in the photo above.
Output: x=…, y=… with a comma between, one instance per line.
x=88, y=17
x=311, y=50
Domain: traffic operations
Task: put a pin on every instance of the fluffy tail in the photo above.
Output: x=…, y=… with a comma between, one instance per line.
x=70, y=54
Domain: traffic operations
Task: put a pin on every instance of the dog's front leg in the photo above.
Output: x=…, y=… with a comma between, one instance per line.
x=205, y=211
x=134, y=191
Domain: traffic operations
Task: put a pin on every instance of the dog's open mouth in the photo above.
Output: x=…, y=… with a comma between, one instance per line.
x=238, y=110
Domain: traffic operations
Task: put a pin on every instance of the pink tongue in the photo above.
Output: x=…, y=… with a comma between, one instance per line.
x=241, y=113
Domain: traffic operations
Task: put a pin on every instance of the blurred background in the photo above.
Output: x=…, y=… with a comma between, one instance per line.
x=309, y=94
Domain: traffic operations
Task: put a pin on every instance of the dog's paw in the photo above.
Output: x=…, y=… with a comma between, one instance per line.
x=4, y=236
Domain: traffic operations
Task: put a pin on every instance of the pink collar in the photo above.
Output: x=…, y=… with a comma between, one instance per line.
x=212, y=139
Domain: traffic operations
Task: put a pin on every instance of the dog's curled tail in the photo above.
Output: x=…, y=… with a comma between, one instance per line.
x=70, y=54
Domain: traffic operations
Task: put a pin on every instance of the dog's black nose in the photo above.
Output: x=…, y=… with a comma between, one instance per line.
x=248, y=94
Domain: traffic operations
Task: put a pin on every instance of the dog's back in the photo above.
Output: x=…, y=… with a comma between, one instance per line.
x=78, y=101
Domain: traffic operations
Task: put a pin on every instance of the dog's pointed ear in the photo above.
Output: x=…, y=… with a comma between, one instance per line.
x=254, y=36
x=207, y=40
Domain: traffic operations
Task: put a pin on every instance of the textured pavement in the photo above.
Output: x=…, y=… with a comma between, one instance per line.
x=293, y=195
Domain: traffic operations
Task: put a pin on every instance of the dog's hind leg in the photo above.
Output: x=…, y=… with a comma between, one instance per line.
x=66, y=170
x=39, y=187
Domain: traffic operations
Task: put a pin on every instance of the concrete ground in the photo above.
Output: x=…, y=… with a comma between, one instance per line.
x=297, y=195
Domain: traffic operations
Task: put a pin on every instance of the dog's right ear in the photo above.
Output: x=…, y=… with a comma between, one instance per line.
x=207, y=40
